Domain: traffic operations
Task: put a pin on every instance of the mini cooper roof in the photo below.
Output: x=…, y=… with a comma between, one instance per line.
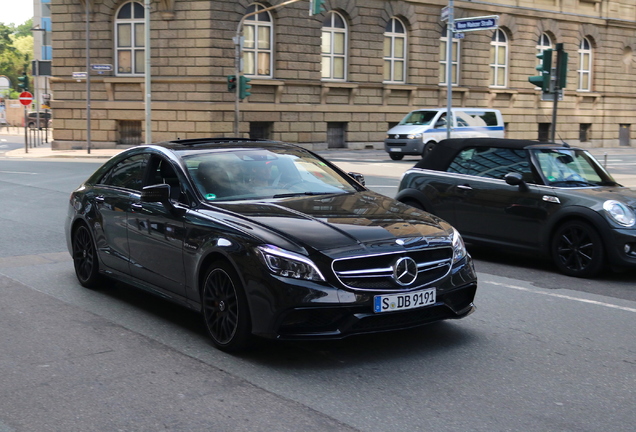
x=443, y=153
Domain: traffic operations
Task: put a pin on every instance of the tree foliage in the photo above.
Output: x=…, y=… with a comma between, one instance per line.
x=16, y=50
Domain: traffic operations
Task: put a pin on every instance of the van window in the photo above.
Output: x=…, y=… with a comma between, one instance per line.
x=476, y=118
x=418, y=118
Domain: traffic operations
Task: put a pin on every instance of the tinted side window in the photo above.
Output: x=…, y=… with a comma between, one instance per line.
x=492, y=163
x=127, y=174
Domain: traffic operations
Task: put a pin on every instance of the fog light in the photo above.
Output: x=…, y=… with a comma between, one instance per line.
x=628, y=248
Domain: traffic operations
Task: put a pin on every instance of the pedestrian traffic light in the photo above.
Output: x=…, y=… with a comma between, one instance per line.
x=545, y=70
x=23, y=82
x=244, y=87
x=231, y=83
x=315, y=7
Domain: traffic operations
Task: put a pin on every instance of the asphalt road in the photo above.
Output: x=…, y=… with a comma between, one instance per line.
x=543, y=352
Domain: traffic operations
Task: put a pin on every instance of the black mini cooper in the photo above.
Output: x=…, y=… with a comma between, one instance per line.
x=519, y=195
x=266, y=239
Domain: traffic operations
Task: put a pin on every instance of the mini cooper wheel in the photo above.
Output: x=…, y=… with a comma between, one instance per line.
x=577, y=249
x=85, y=258
x=225, y=310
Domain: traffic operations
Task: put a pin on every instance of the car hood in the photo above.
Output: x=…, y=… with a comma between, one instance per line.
x=408, y=129
x=363, y=220
x=601, y=194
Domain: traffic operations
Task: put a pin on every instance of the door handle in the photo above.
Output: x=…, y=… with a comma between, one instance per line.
x=464, y=187
x=137, y=205
x=99, y=198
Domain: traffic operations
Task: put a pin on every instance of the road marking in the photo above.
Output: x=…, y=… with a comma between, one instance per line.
x=562, y=296
x=18, y=172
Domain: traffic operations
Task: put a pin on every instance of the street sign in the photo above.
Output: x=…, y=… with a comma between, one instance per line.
x=79, y=75
x=102, y=67
x=26, y=98
x=477, y=23
x=444, y=14
x=459, y=35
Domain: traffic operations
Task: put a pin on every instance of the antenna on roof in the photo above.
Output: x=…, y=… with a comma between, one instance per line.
x=564, y=143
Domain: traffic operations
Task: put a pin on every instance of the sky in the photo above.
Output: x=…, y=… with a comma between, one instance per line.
x=15, y=11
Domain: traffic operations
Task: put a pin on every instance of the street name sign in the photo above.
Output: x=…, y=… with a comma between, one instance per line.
x=26, y=98
x=79, y=75
x=445, y=13
x=477, y=23
x=102, y=67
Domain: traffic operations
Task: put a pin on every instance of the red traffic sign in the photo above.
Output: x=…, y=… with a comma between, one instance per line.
x=26, y=98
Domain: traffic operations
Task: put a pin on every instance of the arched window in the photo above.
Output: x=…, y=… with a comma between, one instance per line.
x=129, y=39
x=499, y=59
x=395, y=51
x=585, y=66
x=334, y=47
x=544, y=43
x=454, y=59
x=257, y=48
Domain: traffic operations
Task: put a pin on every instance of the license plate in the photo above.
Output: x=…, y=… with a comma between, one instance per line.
x=404, y=301
x=394, y=149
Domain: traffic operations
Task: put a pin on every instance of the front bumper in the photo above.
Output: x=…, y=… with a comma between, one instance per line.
x=295, y=310
x=617, y=256
x=404, y=146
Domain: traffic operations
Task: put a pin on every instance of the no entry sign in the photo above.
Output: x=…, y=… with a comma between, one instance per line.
x=26, y=98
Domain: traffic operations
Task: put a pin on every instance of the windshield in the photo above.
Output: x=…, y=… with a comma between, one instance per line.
x=571, y=168
x=418, y=118
x=262, y=174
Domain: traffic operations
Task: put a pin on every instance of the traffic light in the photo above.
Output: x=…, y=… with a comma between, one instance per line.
x=562, y=58
x=231, y=83
x=315, y=7
x=244, y=87
x=23, y=82
x=545, y=70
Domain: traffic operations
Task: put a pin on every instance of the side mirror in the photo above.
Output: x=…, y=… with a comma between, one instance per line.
x=156, y=193
x=515, y=179
x=357, y=177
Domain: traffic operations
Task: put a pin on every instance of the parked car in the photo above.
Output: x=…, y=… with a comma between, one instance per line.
x=32, y=119
x=422, y=129
x=518, y=195
x=266, y=239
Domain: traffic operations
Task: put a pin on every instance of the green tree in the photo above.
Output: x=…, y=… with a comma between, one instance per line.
x=16, y=51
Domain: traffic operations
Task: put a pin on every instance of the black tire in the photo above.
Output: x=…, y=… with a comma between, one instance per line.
x=577, y=249
x=396, y=156
x=225, y=311
x=85, y=258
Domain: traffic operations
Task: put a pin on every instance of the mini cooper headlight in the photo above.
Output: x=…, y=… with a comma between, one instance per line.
x=620, y=213
x=288, y=264
x=459, y=248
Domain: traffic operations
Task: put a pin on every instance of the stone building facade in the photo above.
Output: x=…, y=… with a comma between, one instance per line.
x=340, y=78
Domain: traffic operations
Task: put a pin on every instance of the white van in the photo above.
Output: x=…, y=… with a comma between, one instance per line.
x=421, y=129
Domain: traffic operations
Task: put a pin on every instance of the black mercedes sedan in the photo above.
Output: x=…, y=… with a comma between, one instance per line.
x=544, y=199
x=265, y=239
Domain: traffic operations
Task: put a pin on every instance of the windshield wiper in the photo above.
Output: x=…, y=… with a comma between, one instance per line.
x=292, y=194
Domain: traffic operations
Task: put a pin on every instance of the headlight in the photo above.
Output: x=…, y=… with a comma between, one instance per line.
x=388, y=136
x=414, y=136
x=459, y=248
x=620, y=213
x=288, y=264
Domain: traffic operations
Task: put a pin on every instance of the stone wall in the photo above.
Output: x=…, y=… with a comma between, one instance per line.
x=192, y=53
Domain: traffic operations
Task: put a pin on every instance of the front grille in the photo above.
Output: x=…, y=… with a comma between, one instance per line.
x=375, y=272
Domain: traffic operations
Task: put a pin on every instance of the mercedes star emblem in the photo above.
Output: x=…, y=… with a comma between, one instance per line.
x=405, y=271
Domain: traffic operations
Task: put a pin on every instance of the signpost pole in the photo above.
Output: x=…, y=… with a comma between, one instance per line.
x=26, y=137
x=147, y=79
x=449, y=67
x=88, y=80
